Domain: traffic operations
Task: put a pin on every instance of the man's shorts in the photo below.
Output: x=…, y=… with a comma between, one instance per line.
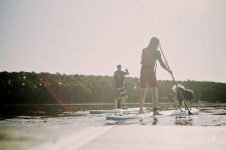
x=120, y=93
x=147, y=77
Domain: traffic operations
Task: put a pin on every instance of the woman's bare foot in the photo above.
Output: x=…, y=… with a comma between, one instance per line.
x=141, y=111
x=155, y=112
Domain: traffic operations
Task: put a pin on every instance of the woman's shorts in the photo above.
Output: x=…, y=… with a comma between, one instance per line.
x=147, y=77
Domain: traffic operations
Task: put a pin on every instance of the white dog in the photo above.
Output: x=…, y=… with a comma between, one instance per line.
x=188, y=94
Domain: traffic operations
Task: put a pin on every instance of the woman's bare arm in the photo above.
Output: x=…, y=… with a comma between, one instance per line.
x=163, y=65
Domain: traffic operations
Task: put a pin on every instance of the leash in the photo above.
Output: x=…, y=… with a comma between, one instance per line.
x=171, y=73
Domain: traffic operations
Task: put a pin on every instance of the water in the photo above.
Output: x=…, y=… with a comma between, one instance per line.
x=31, y=128
x=210, y=115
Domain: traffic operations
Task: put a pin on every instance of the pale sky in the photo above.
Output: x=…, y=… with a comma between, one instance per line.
x=93, y=36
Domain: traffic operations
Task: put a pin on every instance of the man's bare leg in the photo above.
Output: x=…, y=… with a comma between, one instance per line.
x=143, y=92
x=116, y=103
x=123, y=101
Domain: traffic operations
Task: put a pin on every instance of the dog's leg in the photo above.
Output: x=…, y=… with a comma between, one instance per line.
x=179, y=105
x=190, y=103
x=186, y=107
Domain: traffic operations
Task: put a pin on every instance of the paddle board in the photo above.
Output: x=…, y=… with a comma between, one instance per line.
x=128, y=117
x=176, y=113
x=128, y=110
x=194, y=111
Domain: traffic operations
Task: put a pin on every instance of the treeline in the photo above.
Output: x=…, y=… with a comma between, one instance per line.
x=46, y=88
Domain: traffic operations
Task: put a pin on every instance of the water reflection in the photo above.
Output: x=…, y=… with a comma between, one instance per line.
x=187, y=120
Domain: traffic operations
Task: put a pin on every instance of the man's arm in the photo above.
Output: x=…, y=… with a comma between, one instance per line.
x=126, y=72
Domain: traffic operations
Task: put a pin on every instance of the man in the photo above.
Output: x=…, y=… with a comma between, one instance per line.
x=120, y=94
x=147, y=74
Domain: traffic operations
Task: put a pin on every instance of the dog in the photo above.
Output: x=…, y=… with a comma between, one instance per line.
x=188, y=95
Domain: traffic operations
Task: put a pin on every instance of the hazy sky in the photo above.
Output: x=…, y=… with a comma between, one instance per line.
x=93, y=36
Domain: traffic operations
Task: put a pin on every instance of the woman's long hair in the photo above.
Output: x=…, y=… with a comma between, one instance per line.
x=154, y=43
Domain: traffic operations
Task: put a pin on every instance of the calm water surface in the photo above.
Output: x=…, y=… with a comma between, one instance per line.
x=210, y=115
x=49, y=123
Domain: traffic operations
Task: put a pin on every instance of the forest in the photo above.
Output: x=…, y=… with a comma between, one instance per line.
x=46, y=88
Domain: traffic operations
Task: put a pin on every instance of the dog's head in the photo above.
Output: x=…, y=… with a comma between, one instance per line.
x=187, y=93
x=175, y=88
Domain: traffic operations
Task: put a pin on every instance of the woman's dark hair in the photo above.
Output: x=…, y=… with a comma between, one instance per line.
x=154, y=43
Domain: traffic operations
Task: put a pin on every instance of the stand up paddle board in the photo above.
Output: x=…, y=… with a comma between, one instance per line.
x=176, y=113
x=128, y=110
x=194, y=111
x=128, y=117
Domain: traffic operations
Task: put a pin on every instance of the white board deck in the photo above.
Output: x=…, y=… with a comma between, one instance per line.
x=78, y=113
x=149, y=115
x=128, y=117
x=194, y=111
x=129, y=110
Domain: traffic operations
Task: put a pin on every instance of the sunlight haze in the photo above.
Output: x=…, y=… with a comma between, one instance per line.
x=94, y=36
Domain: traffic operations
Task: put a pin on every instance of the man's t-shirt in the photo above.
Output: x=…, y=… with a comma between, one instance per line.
x=119, y=78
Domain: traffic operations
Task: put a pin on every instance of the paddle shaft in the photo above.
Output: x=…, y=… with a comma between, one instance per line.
x=171, y=73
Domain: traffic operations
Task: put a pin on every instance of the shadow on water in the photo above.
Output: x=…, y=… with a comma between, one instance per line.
x=52, y=110
x=12, y=110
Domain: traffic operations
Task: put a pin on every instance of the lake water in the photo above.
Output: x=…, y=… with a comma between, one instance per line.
x=49, y=122
x=209, y=115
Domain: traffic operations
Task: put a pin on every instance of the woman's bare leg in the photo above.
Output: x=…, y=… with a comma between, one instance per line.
x=154, y=93
x=143, y=92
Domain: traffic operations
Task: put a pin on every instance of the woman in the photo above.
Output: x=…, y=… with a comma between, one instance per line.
x=147, y=74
